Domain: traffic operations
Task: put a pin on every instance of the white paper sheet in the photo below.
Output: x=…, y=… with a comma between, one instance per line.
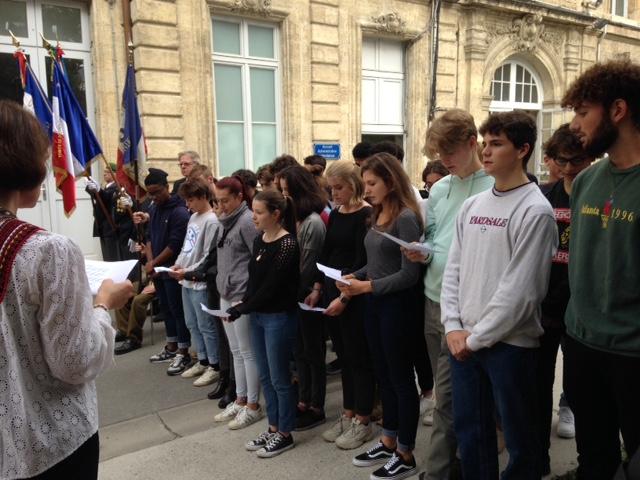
x=215, y=313
x=161, y=269
x=418, y=247
x=304, y=306
x=98, y=271
x=332, y=273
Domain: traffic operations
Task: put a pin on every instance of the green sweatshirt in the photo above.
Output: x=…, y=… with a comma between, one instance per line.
x=604, y=266
x=445, y=199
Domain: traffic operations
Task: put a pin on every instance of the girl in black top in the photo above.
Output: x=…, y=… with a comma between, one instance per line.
x=344, y=250
x=270, y=300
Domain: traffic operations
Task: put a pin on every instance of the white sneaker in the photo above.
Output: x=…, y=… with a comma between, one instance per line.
x=356, y=436
x=337, y=429
x=427, y=404
x=566, y=427
x=207, y=378
x=195, y=371
x=246, y=417
x=228, y=413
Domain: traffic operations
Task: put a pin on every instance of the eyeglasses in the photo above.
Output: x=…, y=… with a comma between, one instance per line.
x=576, y=161
x=185, y=164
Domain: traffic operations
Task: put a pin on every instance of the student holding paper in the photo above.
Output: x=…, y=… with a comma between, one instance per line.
x=55, y=338
x=270, y=299
x=387, y=280
x=344, y=250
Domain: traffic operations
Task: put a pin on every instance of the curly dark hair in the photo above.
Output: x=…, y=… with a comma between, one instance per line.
x=564, y=141
x=604, y=83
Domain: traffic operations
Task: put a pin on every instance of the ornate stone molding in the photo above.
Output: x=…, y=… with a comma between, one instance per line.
x=389, y=23
x=253, y=7
x=527, y=32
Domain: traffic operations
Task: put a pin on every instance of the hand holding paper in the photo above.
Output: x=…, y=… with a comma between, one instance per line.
x=161, y=269
x=332, y=273
x=98, y=271
x=304, y=306
x=423, y=248
x=215, y=313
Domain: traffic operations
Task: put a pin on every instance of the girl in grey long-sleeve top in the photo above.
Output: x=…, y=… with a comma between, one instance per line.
x=388, y=279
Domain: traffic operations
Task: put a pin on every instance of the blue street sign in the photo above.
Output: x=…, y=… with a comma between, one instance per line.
x=330, y=151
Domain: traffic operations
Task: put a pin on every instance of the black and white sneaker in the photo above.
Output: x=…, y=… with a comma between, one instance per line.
x=277, y=444
x=164, y=356
x=375, y=455
x=395, y=469
x=180, y=364
x=259, y=442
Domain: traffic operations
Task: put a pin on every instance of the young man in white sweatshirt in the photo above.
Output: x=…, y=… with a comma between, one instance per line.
x=495, y=279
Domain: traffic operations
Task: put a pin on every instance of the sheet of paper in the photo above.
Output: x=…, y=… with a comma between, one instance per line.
x=98, y=271
x=161, y=269
x=418, y=247
x=332, y=273
x=304, y=306
x=215, y=313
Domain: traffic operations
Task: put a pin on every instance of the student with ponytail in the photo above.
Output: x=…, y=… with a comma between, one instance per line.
x=387, y=280
x=235, y=245
x=270, y=299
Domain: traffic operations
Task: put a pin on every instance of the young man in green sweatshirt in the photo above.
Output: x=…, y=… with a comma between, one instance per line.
x=453, y=138
x=602, y=349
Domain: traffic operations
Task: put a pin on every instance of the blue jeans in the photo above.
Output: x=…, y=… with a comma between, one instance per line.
x=271, y=337
x=202, y=326
x=170, y=298
x=389, y=334
x=503, y=379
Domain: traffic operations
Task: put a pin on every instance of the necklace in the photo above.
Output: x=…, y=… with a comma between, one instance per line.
x=6, y=213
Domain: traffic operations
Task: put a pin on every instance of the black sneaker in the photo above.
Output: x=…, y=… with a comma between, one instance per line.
x=259, y=442
x=180, y=364
x=309, y=419
x=129, y=345
x=120, y=336
x=375, y=455
x=277, y=444
x=334, y=368
x=395, y=469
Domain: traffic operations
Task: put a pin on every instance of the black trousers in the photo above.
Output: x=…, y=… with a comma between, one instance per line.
x=549, y=343
x=358, y=380
x=603, y=392
x=310, y=354
x=83, y=463
x=420, y=355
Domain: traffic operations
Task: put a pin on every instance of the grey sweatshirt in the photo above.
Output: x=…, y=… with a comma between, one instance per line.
x=201, y=233
x=387, y=268
x=311, y=234
x=498, y=268
x=235, y=253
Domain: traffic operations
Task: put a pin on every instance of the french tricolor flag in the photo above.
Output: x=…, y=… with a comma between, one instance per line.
x=74, y=145
x=34, y=98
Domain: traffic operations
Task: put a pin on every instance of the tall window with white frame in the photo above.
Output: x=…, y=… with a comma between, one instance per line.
x=620, y=7
x=246, y=69
x=383, y=87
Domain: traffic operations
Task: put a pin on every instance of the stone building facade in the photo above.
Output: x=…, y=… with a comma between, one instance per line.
x=243, y=80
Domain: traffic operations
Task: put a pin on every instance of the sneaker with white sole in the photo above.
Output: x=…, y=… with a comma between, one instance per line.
x=164, y=356
x=195, y=371
x=207, y=378
x=277, y=444
x=337, y=429
x=375, y=455
x=229, y=413
x=566, y=425
x=427, y=404
x=395, y=469
x=356, y=435
x=246, y=417
x=180, y=364
x=259, y=442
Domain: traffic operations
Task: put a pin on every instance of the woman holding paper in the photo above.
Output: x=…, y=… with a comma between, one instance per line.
x=387, y=280
x=344, y=250
x=271, y=301
x=55, y=339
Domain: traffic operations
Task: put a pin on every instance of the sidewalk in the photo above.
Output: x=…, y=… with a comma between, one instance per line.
x=154, y=426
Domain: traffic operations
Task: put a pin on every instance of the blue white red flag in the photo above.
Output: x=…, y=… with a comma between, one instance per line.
x=132, y=149
x=34, y=98
x=75, y=145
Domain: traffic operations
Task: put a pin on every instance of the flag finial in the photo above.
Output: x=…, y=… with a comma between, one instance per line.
x=14, y=40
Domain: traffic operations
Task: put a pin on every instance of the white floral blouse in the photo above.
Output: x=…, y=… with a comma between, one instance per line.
x=53, y=344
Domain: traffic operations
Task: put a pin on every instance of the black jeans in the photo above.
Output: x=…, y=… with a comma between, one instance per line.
x=387, y=333
x=358, y=382
x=310, y=353
x=169, y=293
x=549, y=343
x=83, y=463
x=420, y=355
x=604, y=394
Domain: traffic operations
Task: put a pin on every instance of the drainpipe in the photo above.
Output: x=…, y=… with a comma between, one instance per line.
x=435, y=37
